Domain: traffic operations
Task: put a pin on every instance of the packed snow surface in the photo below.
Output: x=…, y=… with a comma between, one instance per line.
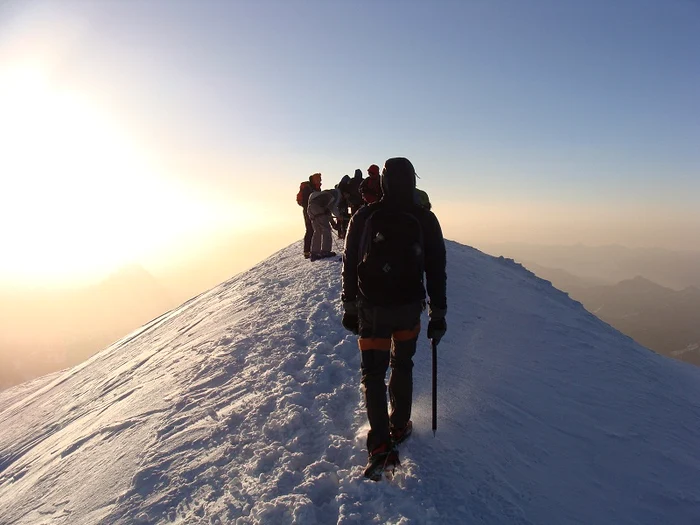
x=244, y=406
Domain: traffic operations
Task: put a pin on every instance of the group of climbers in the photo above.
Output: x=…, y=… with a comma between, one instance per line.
x=324, y=210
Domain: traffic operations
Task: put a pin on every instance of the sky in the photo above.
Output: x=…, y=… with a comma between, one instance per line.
x=244, y=406
x=545, y=122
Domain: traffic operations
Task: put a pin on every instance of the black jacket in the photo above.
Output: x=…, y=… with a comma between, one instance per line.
x=433, y=245
x=351, y=191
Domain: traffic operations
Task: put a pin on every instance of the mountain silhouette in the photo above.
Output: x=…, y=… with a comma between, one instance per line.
x=243, y=405
x=660, y=318
x=610, y=264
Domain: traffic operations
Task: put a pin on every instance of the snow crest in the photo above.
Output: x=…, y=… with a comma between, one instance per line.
x=244, y=406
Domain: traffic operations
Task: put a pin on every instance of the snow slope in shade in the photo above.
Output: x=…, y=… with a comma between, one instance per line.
x=244, y=406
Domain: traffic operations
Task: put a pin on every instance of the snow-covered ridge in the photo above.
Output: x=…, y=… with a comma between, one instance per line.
x=244, y=406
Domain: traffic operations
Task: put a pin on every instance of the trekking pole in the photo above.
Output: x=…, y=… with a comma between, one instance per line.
x=339, y=243
x=336, y=243
x=434, y=342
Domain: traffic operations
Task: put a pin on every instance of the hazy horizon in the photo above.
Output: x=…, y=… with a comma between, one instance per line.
x=48, y=329
x=248, y=249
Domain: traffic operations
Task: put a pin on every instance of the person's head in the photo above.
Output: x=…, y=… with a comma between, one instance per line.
x=358, y=173
x=344, y=185
x=316, y=179
x=373, y=171
x=398, y=180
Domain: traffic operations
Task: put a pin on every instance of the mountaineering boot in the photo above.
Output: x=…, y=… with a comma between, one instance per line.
x=315, y=256
x=307, y=255
x=399, y=435
x=383, y=459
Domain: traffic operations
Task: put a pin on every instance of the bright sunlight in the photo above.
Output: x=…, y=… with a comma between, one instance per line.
x=78, y=199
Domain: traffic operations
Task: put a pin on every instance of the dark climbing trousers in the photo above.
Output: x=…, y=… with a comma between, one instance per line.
x=309, y=232
x=388, y=338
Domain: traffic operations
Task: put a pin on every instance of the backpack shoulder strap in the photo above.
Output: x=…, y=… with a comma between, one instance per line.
x=366, y=237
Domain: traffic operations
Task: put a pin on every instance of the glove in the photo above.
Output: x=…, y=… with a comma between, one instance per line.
x=436, y=329
x=351, y=323
x=350, y=320
x=437, y=325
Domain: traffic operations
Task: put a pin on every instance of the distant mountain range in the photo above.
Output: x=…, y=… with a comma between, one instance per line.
x=610, y=264
x=660, y=318
x=47, y=330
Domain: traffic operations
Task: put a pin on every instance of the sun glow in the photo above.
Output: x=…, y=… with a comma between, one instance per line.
x=78, y=198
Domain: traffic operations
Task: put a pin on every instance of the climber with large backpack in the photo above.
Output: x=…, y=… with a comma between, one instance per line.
x=390, y=246
x=306, y=188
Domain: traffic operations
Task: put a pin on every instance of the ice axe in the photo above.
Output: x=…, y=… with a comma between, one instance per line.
x=435, y=344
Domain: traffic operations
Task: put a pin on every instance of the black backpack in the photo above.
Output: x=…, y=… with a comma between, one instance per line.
x=391, y=258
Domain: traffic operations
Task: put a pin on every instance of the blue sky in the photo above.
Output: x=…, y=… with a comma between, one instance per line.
x=539, y=121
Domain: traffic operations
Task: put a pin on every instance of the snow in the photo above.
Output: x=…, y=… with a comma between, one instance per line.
x=244, y=406
x=693, y=347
